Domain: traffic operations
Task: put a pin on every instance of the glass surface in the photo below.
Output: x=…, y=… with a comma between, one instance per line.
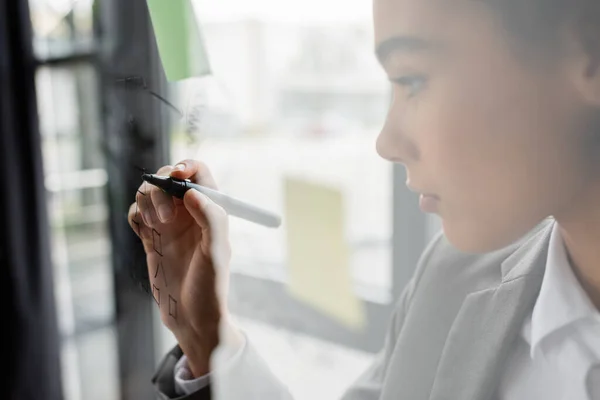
x=61, y=27
x=75, y=181
x=295, y=92
x=292, y=97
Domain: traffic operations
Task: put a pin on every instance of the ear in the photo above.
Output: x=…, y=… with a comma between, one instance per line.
x=583, y=52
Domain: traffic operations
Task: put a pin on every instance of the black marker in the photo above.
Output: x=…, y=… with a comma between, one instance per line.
x=237, y=208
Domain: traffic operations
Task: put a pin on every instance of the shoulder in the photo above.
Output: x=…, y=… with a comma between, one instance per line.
x=444, y=271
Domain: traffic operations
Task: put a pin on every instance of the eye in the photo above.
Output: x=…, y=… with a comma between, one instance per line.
x=412, y=83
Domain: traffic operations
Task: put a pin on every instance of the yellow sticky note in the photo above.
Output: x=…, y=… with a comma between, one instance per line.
x=318, y=254
x=179, y=39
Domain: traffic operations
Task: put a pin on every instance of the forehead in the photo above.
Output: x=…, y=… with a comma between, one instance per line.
x=429, y=19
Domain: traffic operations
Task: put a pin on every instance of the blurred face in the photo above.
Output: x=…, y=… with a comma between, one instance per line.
x=492, y=138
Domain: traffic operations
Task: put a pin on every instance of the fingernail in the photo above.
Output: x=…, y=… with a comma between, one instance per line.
x=165, y=212
x=179, y=167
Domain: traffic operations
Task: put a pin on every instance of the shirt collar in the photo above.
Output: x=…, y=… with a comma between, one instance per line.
x=562, y=301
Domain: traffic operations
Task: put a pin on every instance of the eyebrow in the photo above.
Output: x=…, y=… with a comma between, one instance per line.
x=407, y=44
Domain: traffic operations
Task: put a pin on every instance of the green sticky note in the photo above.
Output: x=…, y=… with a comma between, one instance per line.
x=179, y=39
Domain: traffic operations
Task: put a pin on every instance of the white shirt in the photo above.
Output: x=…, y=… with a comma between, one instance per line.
x=184, y=380
x=557, y=356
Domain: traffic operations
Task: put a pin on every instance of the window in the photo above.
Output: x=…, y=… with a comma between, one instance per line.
x=295, y=93
x=75, y=176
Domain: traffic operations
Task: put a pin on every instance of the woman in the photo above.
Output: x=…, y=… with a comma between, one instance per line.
x=496, y=118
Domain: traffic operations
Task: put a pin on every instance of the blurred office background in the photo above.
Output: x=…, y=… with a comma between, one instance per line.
x=295, y=91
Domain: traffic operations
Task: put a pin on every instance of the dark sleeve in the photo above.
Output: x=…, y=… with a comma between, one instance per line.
x=248, y=377
x=164, y=380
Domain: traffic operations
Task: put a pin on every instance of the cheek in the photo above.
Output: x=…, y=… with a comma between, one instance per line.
x=465, y=145
x=498, y=161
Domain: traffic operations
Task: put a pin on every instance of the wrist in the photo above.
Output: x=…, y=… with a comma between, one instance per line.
x=198, y=348
x=199, y=345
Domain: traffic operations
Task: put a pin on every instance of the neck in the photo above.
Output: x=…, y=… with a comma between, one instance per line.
x=580, y=229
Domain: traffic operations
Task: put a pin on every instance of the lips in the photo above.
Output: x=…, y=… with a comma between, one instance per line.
x=421, y=192
x=428, y=202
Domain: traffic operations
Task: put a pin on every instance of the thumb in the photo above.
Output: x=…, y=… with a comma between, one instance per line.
x=214, y=223
x=208, y=215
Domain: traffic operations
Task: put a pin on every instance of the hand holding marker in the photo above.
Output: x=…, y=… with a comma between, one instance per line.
x=237, y=208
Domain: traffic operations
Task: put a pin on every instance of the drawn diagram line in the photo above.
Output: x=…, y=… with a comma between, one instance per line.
x=157, y=247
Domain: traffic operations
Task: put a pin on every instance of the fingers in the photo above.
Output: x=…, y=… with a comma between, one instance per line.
x=145, y=197
x=155, y=206
x=135, y=221
x=195, y=170
x=145, y=206
x=163, y=203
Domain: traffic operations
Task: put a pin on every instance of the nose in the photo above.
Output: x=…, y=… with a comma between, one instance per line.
x=392, y=143
x=385, y=146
